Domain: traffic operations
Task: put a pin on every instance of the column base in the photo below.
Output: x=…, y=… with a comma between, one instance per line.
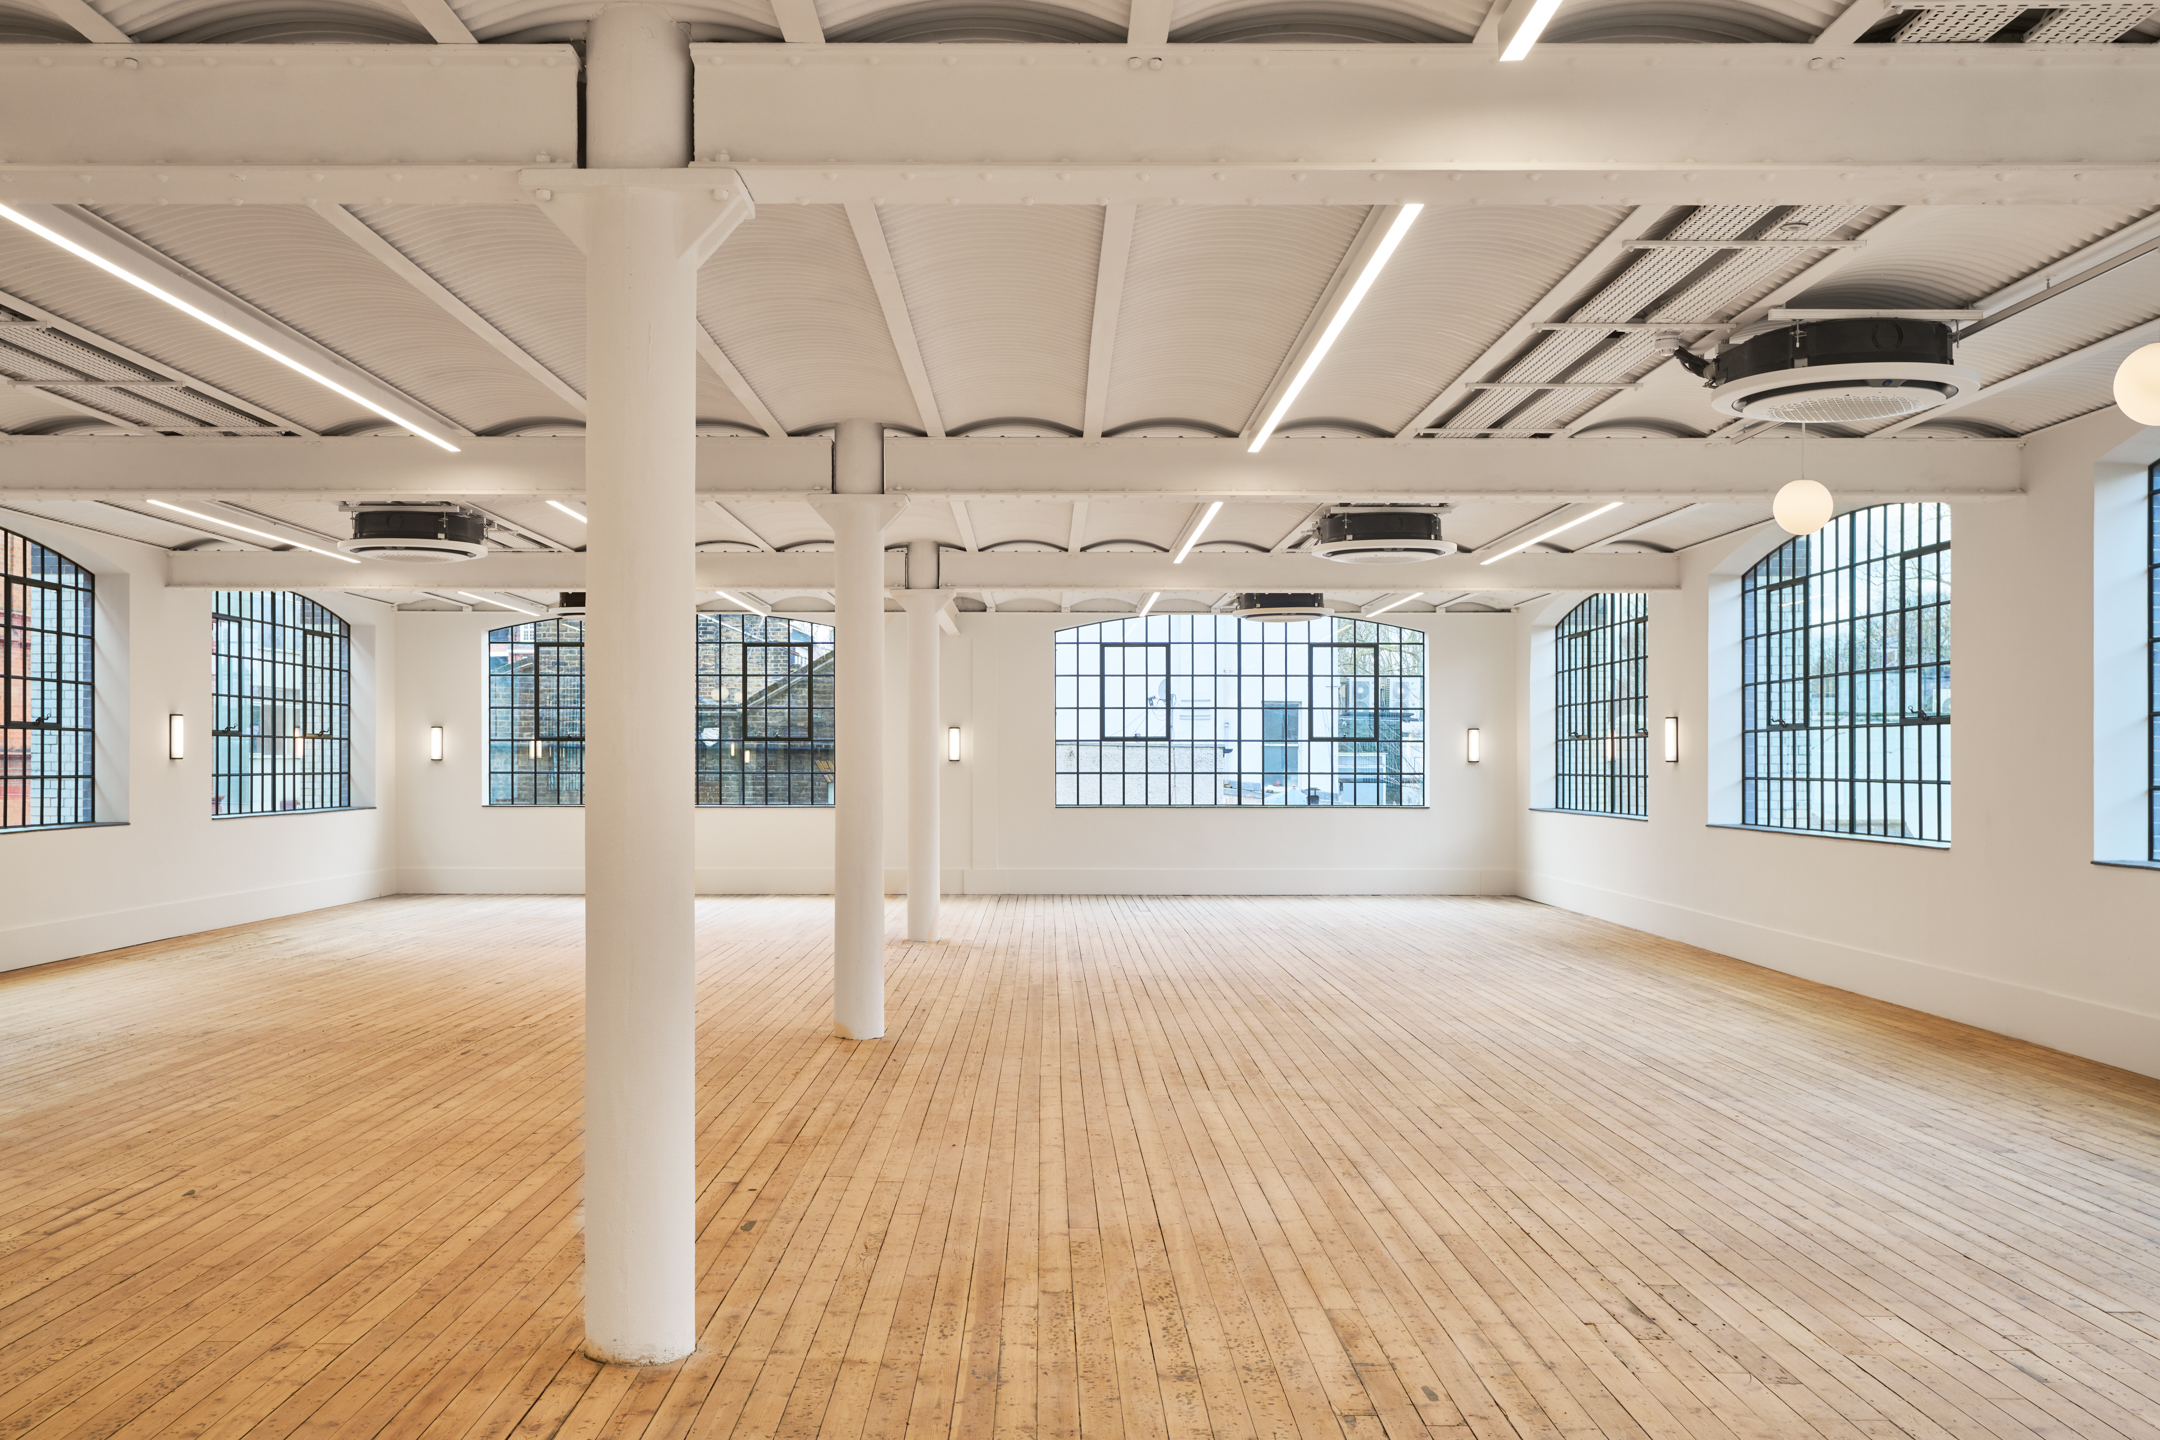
x=844, y=1033
x=634, y=1354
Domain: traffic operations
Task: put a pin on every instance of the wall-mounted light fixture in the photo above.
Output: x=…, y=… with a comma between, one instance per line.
x=176, y=737
x=952, y=742
x=434, y=742
x=1473, y=746
x=1672, y=739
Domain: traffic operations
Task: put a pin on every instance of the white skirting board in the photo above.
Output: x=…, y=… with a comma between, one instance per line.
x=2107, y=1033
x=818, y=881
x=115, y=929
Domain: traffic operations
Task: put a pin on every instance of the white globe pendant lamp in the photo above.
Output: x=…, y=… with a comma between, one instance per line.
x=2137, y=385
x=1803, y=506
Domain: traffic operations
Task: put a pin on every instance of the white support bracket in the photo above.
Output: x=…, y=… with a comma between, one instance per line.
x=715, y=202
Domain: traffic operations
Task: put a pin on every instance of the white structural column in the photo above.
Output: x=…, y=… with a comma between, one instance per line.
x=640, y=475
x=858, y=511
x=925, y=743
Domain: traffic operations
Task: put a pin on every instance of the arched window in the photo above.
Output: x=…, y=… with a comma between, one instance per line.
x=765, y=711
x=1213, y=710
x=1601, y=708
x=281, y=690
x=2152, y=659
x=1845, y=678
x=536, y=713
x=46, y=697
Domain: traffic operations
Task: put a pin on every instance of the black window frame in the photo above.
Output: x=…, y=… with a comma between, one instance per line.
x=805, y=778
x=534, y=762
x=2152, y=663
x=1601, y=707
x=48, y=688
x=288, y=753
x=1816, y=756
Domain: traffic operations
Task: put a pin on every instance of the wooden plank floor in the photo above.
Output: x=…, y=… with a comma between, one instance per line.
x=1128, y=1168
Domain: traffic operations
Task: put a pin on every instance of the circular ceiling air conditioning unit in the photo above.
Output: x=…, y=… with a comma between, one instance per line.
x=1380, y=535
x=428, y=534
x=1837, y=372
x=1278, y=606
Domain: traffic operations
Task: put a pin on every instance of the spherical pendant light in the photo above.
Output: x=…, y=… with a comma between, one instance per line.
x=1803, y=507
x=2137, y=385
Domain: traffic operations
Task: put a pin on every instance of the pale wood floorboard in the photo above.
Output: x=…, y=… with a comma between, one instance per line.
x=1131, y=1168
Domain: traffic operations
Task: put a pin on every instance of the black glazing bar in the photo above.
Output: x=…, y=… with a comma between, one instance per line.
x=47, y=687
x=2152, y=667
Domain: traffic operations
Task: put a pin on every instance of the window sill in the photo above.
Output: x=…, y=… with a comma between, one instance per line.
x=275, y=814
x=1593, y=814
x=1836, y=835
x=2130, y=864
x=1243, y=809
x=47, y=829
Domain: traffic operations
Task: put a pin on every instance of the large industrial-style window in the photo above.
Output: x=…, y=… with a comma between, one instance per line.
x=281, y=689
x=1845, y=678
x=46, y=704
x=2152, y=659
x=1601, y=707
x=1213, y=710
x=765, y=711
x=536, y=713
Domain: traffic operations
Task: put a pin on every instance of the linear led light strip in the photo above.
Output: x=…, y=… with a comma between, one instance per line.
x=568, y=511
x=1214, y=508
x=149, y=288
x=751, y=605
x=506, y=604
x=1151, y=602
x=1393, y=603
x=1364, y=283
x=1533, y=25
x=1565, y=525
x=245, y=530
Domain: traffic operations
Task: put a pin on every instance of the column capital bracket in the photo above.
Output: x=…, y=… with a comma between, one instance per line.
x=887, y=507
x=714, y=201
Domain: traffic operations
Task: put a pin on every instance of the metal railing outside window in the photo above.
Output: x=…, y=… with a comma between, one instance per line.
x=536, y=713
x=765, y=711
x=1601, y=707
x=1210, y=710
x=281, y=696
x=47, y=700
x=1845, y=678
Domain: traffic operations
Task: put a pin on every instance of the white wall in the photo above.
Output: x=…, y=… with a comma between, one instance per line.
x=1002, y=831
x=164, y=867
x=2012, y=927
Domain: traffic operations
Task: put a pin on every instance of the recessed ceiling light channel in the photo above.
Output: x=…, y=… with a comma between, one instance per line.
x=152, y=289
x=1541, y=539
x=1214, y=508
x=1365, y=280
x=1533, y=25
x=568, y=511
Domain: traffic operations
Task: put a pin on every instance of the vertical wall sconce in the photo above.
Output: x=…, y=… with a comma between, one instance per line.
x=434, y=742
x=952, y=742
x=176, y=737
x=1672, y=739
x=1473, y=746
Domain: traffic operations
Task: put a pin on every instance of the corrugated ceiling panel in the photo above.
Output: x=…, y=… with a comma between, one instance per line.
x=2071, y=391
x=495, y=19
x=716, y=402
x=789, y=299
x=508, y=262
x=1331, y=21
x=1946, y=256
x=265, y=22
x=1461, y=277
x=33, y=25
x=31, y=410
x=1002, y=298
x=954, y=21
x=1683, y=22
x=79, y=292
x=2091, y=312
x=289, y=261
x=1001, y=521
x=1214, y=298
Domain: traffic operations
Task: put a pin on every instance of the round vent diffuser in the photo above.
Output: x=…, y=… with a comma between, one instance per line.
x=426, y=535
x=1275, y=606
x=1839, y=372
x=1380, y=536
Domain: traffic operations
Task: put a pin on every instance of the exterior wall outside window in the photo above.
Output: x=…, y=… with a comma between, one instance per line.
x=1210, y=710
x=281, y=693
x=765, y=711
x=1845, y=678
x=47, y=701
x=1601, y=702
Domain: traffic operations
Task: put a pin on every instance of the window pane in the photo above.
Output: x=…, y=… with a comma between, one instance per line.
x=281, y=688
x=1601, y=706
x=46, y=699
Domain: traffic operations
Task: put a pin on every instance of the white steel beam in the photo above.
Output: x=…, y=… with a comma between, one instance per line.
x=1117, y=234
x=799, y=22
x=966, y=524
x=1007, y=574
x=443, y=24
x=115, y=246
x=305, y=106
x=1076, y=534
x=1191, y=472
x=85, y=20
x=717, y=361
x=877, y=257
x=402, y=265
x=1147, y=25
x=743, y=525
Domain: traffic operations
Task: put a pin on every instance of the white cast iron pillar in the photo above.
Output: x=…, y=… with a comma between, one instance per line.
x=925, y=743
x=641, y=418
x=858, y=511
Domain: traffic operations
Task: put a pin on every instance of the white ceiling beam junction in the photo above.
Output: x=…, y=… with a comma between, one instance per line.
x=398, y=263
x=877, y=257
x=115, y=246
x=1117, y=235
